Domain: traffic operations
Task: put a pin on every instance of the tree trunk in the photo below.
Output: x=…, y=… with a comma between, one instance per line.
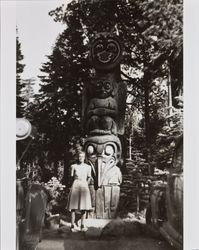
x=147, y=117
x=170, y=105
x=66, y=168
x=130, y=151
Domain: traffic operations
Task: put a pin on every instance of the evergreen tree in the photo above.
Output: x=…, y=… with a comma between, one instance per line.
x=151, y=34
x=59, y=101
x=20, y=84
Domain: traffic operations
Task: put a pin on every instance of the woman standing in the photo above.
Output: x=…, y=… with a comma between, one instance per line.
x=79, y=196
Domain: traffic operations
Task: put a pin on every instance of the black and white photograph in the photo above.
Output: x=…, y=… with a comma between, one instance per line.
x=99, y=107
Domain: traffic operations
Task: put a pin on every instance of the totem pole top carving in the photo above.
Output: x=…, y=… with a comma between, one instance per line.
x=104, y=98
x=105, y=52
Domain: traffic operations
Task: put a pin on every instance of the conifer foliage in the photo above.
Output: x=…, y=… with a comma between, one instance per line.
x=19, y=68
x=151, y=35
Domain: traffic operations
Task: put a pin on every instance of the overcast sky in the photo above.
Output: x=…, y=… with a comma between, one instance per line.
x=37, y=32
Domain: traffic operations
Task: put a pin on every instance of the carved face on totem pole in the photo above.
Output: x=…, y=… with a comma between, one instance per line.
x=103, y=153
x=102, y=108
x=102, y=87
x=105, y=52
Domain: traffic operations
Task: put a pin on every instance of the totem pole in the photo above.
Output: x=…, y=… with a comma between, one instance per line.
x=104, y=100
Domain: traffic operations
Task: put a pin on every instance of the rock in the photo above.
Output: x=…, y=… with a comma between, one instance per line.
x=64, y=223
x=113, y=229
x=97, y=223
x=63, y=229
x=53, y=223
x=150, y=231
x=132, y=228
x=131, y=215
x=93, y=232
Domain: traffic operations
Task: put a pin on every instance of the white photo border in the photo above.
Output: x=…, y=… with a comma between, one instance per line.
x=8, y=125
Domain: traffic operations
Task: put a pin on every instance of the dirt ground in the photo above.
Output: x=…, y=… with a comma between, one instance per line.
x=95, y=239
x=139, y=243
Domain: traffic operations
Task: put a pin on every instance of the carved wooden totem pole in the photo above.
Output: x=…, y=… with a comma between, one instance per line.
x=104, y=100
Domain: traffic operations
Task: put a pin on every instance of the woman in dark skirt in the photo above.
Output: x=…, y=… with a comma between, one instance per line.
x=79, y=196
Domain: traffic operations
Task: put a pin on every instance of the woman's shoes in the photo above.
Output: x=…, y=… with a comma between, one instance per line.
x=74, y=229
x=83, y=228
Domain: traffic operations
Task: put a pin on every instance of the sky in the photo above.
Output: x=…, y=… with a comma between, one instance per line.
x=37, y=33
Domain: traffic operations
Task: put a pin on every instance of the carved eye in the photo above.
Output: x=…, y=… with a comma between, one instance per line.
x=107, y=85
x=111, y=47
x=90, y=150
x=99, y=84
x=109, y=150
x=99, y=47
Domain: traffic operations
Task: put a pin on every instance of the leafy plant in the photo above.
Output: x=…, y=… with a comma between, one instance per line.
x=58, y=196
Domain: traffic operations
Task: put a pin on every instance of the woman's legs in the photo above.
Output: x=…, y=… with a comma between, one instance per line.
x=72, y=218
x=83, y=216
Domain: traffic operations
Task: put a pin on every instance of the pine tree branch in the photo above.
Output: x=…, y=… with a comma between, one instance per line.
x=131, y=80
